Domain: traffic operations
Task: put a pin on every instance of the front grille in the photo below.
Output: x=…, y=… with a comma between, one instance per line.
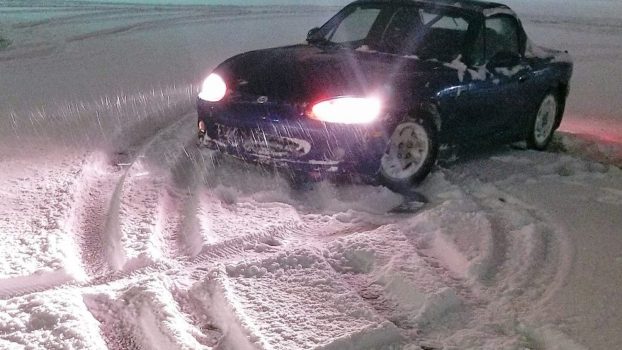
x=259, y=143
x=274, y=111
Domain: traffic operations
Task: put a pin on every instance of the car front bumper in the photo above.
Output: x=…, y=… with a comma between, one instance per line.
x=281, y=137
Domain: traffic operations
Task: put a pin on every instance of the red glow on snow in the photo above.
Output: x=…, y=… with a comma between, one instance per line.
x=598, y=129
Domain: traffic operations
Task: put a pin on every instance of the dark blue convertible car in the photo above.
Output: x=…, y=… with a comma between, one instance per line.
x=382, y=86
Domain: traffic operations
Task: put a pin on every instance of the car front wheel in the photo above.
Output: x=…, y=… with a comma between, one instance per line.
x=542, y=125
x=410, y=153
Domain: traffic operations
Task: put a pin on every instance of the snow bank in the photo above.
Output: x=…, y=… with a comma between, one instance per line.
x=51, y=320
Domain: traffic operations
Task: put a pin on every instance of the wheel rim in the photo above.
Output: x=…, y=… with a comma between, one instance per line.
x=545, y=120
x=407, y=151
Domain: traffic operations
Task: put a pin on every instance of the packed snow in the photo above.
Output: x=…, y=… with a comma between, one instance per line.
x=118, y=233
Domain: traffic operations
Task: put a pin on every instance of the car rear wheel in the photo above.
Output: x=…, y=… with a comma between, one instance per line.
x=410, y=154
x=543, y=123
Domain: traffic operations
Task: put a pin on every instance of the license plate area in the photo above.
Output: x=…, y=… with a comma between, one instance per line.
x=259, y=143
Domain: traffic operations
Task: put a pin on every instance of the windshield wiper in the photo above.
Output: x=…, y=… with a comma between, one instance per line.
x=322, y=42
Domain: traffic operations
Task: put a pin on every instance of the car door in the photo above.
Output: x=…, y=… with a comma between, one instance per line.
x=492, y=99
x=510, y=79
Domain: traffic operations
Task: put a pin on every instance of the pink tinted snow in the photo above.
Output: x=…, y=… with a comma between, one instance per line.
x=515, y=251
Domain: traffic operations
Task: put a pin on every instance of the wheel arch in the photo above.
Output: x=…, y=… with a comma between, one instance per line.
x=430, y=111
x=561, y=92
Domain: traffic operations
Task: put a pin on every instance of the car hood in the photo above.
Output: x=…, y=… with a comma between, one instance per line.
x=306, y=73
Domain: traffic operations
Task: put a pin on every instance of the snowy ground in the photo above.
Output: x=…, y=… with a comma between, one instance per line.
x=118, y=234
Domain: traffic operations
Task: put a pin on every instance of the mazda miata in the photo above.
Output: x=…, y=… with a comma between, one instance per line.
x=382, y=86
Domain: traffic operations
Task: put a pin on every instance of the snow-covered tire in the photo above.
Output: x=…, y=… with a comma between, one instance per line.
x=543, y=123
x=410, y=153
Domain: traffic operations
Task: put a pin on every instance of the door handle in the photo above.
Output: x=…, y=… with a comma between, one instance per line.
x=523, y=78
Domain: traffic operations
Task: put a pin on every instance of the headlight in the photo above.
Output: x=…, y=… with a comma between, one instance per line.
x=347, y=110
x=214, y=88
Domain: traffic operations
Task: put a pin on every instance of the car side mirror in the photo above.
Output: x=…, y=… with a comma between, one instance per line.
x=504, y=59
x=311, y=35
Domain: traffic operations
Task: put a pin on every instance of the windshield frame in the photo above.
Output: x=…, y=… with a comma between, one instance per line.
x=474, y=18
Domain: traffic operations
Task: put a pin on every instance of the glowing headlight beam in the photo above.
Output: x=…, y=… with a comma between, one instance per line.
x=347, y=110
x=214, y=88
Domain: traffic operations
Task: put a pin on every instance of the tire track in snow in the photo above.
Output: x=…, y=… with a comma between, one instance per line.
x=169, y=222
x=315, y=232
x=264, y=243
x=158, y=213
x=229, y=226
x=400, y=282
x=160, y=23
x=134, y=18
x=537, y=256
x=143, y=25
x=525, y=261
x=84, y=16
x=93, y=219
x=116, y=335
x=103, y=207
x=529, y=256
x=135, y=225
x=99, y=202
x=516, y=230
x=35, y=227
x=91, y=213
x=145, y=313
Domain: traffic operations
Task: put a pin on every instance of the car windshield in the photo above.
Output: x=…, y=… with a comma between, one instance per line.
x=406, y=30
